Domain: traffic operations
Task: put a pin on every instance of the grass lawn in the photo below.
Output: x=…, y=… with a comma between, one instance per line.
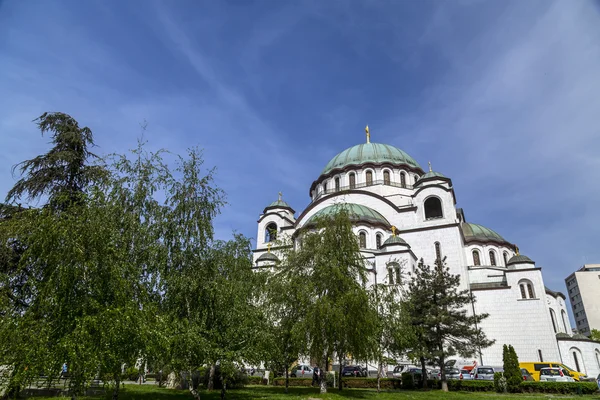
x=151, y=392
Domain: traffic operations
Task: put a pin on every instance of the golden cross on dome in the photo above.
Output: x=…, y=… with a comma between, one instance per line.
x=393, y=230
x=368, y=134
x=280, y=194
x=268, y=247
x=429, y=166
x=517, y=249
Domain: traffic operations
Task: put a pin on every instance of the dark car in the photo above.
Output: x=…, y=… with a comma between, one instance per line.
x=353, y=370
x=526, y=375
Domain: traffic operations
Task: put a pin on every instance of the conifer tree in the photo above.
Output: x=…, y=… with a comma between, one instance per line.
x=440, y=309
x=512, y=372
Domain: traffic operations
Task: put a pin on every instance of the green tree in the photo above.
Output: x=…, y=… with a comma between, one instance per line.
x=339, y=319
x=595, y=335
x=64, y=172
x=512, y=371
x=446, y=326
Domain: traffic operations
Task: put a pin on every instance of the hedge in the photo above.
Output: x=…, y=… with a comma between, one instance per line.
x=559, y=387
x=352, y=383
x=255, y=380
x=471, y=385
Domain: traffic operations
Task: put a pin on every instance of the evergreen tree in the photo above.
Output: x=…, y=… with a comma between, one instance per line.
x=440, y=311
x=512, y=371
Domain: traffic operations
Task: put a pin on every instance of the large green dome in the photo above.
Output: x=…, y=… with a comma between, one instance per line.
x=475, y=232
x=370, y=153
x=356, y=213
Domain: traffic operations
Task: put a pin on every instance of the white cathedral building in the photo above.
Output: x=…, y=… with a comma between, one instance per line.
x=402, y=213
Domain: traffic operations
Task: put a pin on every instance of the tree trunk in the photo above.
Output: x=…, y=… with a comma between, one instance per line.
x=193, y=390
x=211, y=378
x=379, y=373
x=287, y=379
x=322, y=378
x=115, y=395
x=443, y=374
x=423, y=372
x=341, y=360
x=223, y=387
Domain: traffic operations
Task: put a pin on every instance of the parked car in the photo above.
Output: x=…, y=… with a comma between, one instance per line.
x=434, y=374
x=486, y=373
x=555, y=375
x=534, y=369
x=466, y=374
x=354, y=370
x=451, y=373
x=526, y=375
x=302, y=371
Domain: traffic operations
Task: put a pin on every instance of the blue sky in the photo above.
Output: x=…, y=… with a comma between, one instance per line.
x=501, y=96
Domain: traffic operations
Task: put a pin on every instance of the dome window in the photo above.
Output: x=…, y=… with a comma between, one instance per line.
x=378, y=241
x=337, y=184
x=403, y=180
x=325, y=188
x=369, y=178
x=492, y=258
x=476, y=259
x=433, y=208
x=271, y=232
x=352, y=181
x=386, y=177
x=526, y=288
x=362, y=240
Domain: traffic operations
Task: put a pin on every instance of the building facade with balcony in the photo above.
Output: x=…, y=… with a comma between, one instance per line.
x=402, y=213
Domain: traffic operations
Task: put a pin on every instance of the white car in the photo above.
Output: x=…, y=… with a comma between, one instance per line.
x=555, y=375
x=302, y=371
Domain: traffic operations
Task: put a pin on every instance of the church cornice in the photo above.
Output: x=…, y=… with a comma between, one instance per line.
x=523, y=270
x=428, y=228
x=274, y=213
x=489, y=288
x=451, y=190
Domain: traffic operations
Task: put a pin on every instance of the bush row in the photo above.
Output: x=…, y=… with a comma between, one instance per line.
x=559, y=387
x=352, y=383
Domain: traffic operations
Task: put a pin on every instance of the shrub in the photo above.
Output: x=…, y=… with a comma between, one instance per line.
x=512, y=372
x=559, y=387
x=351, y=383
x=498, y=386
x=238, y=380
x=408, y=382
x=255, y=380
x=131, y=374
x=471, y=385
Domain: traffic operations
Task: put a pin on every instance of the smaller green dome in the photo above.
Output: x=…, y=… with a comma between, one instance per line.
x=356, y=213
x=279, y=203
x=433, y=174
x=520, y=259
x=562, y=335
x=475, y=232
x=392, y=240
x=267, y=257
x=580, y=336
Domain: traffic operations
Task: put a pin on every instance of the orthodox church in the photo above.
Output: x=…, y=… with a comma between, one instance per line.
x=402, y=213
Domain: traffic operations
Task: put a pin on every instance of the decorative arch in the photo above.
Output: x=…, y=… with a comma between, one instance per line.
x=526, y=288
x=433, y=208
x=553, y=318
x=362, y=239
x=352, y=180
x=271, y=232
x=476, y=258
x=386, y=177
x=577, y=359
x=492, y=258
x=394, y=273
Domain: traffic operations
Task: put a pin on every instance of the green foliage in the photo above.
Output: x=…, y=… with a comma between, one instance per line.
x=131, y=374
x=408, y=382
x=595, y=335
x=438, y=314
x=363, y=383
x=471, y=385
x=512, y=371
x=498, y=385
x=559, y=387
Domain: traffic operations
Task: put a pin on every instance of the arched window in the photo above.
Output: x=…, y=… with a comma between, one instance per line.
x=553, y=318
x=394, y=275
x=492, y=258
x=369, y=178
x=403, y=179
x=438, y=252
x=526, y=288
x=598, y=358
x=325, y=188
x=386, y=177
x=362, y=240
x=576, y=359
x=563, y=315
x=271, y=232
x=476, y=259
x=433, y=208
x=378, y=240
x=505, y=255
x=337, y=184
x=352, y=181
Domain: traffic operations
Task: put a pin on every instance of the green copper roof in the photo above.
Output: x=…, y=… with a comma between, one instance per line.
x=370, y=153
x=520, y=259
x=433, y=174
x=357, y=212
x=267, y=257
x=279, y=203
x=478, y=232
x=394, y=240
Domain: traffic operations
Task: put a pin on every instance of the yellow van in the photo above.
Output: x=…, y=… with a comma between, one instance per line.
x=534, y=369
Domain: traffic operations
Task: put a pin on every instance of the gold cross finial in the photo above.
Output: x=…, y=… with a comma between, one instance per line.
x=517, y=249
x=368, y=134
x=268, y=247
x=280, y=194
x=429, y=166
x=393, y=230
